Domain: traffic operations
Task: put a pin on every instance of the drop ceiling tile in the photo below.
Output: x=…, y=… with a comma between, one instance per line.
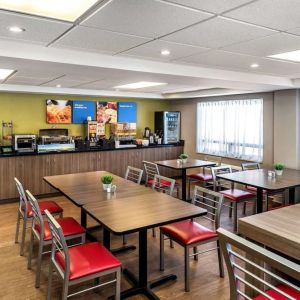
x=25, y=80
x=94, y=39
x=144, y=18
x=277, y=14
x=63, y=83
x=238, y=62
x=153, y=50
x=37, y=30
x=265, y=46
x=216, y=6
x=217, y=32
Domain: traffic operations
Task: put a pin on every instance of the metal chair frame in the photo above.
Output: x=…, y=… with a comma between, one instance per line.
x=237, y=253
x=212, y=201
x=134, y=174
x=59, y=244
x=221, y=184
x=23, y=214
x=38, y=219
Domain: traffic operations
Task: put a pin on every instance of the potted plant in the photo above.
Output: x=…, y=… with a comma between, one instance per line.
x=183, y=157
x=279, y=168
x=106, y=181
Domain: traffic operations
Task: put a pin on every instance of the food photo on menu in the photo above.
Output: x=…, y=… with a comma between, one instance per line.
x=107, y=112
x=59, y=111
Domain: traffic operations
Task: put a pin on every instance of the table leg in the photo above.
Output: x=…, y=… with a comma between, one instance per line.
x=183, y=176
x=259, y=200
x=292, y=196
x=83, y=217
x=106, y=238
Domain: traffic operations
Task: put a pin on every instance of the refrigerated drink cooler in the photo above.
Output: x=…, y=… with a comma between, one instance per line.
x=167, y=123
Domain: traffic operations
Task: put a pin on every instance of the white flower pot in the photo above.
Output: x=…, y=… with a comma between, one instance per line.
x=105, y=186
x=278, y=172
x=184, y=160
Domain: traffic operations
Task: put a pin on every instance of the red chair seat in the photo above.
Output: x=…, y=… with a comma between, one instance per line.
x=276, y=296
x=68, y=225
x=188, y=232
x=201, y=177
x=52, y=207
x=88, y=259
x=254, y=189
x=162, y=182
x=237, y=195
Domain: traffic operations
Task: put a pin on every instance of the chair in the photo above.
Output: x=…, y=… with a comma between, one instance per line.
x=233, y=195
x=40, y=230
x=25, y=213
x=190, y=234
x=205, y=176
x=80, y=263
x=256, y=166
x=238, y=254
x=134, y=174
x=151, y=169
x=164, y=185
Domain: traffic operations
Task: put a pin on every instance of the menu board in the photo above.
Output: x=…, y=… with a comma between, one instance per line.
x=107, y=112
x=82, y=110
x=59, y=111
x=127, y=112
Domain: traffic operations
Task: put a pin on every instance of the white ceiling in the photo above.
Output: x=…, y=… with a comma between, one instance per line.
x=212, y=45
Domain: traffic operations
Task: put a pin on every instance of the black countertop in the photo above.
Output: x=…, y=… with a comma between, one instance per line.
x=16, y=154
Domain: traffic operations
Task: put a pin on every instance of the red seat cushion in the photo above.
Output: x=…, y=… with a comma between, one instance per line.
x=88, y=259
x=162, y=182
x=52, y=207
x=277, y=296
x=237, y=195
x=254, y=189
x=201, y=177
x=68, y=225
x=188, y=232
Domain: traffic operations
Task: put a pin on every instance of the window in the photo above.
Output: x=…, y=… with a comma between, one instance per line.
x=231, y=128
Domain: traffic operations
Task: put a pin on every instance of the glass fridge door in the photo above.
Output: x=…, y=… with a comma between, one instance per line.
x=172, y=127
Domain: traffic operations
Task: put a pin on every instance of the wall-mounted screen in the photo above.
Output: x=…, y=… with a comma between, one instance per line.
x=127, y=112
x=59, y=111
x=107, y=112
x=82, y=110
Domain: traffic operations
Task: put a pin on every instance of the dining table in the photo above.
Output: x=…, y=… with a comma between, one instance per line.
x=138, y=214
x=262, y=181
x=177, y=164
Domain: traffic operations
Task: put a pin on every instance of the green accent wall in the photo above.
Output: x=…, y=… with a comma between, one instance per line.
x=28, y=111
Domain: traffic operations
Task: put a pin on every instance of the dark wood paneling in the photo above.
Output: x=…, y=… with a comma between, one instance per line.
x=31, y=169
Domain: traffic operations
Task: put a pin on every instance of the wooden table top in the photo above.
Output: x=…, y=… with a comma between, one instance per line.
x=83, y=188
x=142, y=211
x=191, y=163
x=259, y=178
x=278, y=229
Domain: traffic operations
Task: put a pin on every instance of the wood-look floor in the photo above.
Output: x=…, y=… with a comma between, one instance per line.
x=16, y=282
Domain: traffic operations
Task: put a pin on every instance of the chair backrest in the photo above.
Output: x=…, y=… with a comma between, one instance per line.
x=215, y=159
x=220, y=183
x=250, y=166
x=134, y=174
x=58, y=245
x=151, y=169
x=23, y=203
x=238, y=254
x=163, y=184
x=36, y=214
x=210, y=200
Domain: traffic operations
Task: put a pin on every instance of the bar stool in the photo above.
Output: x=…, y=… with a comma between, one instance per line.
x=190, y=234
x=41, y=231
x=80, y=263
x=25, y=213
x=233, y=195
x=268, y=284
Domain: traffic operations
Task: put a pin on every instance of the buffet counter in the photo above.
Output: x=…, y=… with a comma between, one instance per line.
x=30, y=168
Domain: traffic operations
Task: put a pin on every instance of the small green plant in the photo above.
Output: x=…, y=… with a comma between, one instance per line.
x=279, y=166
x=107, y=179
x=183, y=156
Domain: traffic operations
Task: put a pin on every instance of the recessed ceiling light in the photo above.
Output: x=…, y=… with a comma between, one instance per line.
x=16, y=29
x=139, y=85
x=56, y=9
x=58, y=85
x=292, y=56
x=4, y=73
x=165, y=52
x=254, y=65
